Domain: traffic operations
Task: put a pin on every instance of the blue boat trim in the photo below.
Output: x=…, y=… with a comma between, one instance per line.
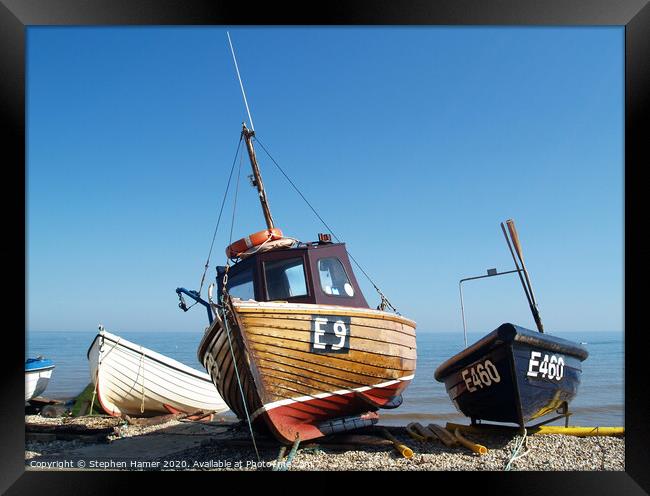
x=38, y=364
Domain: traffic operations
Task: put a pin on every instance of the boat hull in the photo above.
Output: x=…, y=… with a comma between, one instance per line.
x=513, y=375
x=133, y=380
x=37, y=377
x=302, y=366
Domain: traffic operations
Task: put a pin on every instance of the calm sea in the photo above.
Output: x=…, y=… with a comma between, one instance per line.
x=600, y=399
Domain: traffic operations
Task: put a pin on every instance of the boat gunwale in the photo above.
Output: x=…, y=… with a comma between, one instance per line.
x=42, y=369
x=508, y=334
x=252, y=306
x=290, y=328
x=146, y=352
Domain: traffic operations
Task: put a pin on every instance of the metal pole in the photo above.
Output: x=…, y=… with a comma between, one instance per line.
x=462, y=311
x=460, y=288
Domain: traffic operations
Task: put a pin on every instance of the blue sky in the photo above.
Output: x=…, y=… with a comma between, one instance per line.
x=413, y=143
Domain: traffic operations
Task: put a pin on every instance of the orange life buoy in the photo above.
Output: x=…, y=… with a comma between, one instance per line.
x=252, y=240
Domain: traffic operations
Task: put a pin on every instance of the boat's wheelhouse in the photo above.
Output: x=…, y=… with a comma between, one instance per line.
x=316, y=273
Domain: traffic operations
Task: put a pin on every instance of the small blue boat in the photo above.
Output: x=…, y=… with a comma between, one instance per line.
x=37, y=376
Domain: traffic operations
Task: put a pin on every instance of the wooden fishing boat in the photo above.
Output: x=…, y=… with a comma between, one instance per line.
x=514, y=374
x=306, y=368
x=131, y=379
x=292, y=346
x=38, y=372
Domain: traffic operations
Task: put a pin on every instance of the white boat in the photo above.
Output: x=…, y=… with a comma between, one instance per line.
x=133, y=380
x=37, y=375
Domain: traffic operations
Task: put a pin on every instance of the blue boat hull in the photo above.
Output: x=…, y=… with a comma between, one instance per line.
x=513, y=375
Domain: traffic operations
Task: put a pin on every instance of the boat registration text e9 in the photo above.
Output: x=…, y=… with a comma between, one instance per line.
x=330, y=334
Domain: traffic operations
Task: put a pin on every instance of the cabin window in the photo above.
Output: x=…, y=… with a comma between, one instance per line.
x=240, y=285
x=333, y=279
x=285, y=279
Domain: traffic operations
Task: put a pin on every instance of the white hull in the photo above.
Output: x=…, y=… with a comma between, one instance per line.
x=35, y=382
x=133, y=380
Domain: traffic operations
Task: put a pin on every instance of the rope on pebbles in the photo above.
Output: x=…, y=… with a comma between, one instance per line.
x=519, y=443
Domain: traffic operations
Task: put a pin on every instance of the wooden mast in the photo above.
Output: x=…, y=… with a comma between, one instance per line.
x=257, y=181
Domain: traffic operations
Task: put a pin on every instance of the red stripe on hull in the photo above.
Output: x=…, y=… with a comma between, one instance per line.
x=303, y=417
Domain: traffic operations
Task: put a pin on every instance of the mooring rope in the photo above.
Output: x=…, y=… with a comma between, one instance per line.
x=234, y=205
x=92, y=400
x=384, y=300
x=282, y=466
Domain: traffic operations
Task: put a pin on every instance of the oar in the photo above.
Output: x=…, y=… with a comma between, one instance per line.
x=528, y=288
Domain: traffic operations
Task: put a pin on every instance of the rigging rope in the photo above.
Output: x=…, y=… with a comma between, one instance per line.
x=142, y=366
x=223, y=202
x=234, y=206
x=384, y=300
x=225, y=317
x=234, y=362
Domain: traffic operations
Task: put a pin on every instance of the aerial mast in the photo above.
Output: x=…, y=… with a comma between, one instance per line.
x=257, y=177
x=248, y=137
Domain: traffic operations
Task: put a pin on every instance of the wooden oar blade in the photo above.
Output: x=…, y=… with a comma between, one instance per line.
x=515, y=238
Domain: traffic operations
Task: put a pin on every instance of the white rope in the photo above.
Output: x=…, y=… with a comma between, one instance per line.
x=255, y=249
x=520, y=443
x=92, y=401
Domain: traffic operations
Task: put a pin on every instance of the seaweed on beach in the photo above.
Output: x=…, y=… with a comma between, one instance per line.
x=84, y=402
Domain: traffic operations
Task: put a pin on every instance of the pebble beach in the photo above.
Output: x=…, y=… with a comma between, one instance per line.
x=222, y=445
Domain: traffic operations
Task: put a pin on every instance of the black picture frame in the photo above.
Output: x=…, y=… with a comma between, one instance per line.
x=16, y=15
